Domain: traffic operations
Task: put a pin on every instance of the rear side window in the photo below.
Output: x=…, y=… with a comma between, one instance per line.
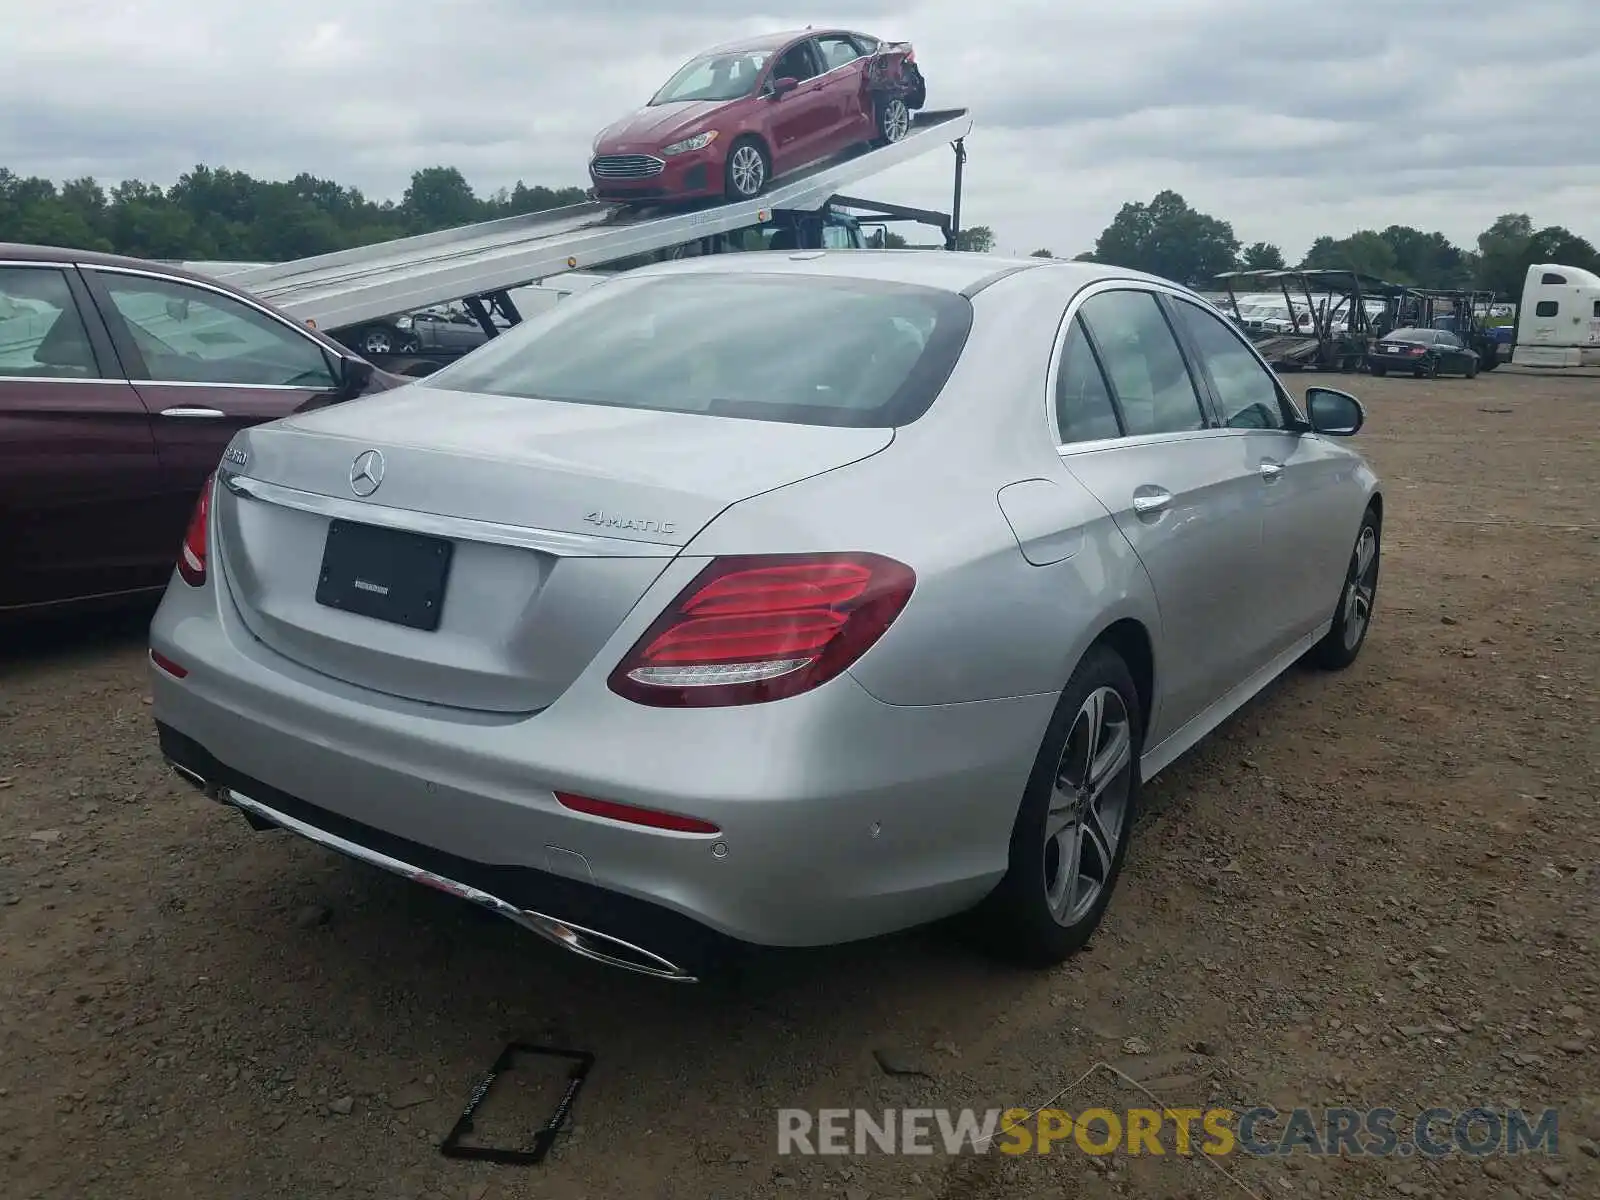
x=1084, y=410
x=41, y=333
x=1141, y=355
x=1546, y=308
x=802, y=349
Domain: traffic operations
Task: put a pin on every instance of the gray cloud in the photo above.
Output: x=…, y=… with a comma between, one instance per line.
x=1290, y=120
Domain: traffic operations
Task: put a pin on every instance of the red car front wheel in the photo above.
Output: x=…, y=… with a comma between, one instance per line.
x=747, y=169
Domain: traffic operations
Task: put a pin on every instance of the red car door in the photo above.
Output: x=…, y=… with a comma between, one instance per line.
x=843, y=68
x=207, y=364
x=80, y=482
x=801, y=121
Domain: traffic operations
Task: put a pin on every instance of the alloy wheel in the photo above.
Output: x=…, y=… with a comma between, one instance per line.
x=1088, y=806
x=896, y=120
x=1362, y=587
x=748, y=170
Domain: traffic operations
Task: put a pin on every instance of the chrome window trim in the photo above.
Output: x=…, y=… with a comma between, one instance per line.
x=248, y=302
x=244, y=299
x=253, y=387
x=1053, y=368
x=118, y=381
x=465, y=529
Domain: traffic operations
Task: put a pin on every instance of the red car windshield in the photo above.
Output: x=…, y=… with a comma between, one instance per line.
x=714, y=77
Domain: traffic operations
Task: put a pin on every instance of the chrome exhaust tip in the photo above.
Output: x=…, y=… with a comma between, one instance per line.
x=191, y=777
x=580, y=940
x=603, y=948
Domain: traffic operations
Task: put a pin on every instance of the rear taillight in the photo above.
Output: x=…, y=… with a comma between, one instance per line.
x=755, y=628
x=192, y=558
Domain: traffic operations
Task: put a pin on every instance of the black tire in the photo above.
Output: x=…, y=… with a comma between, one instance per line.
x=1016, y=920
x=891, y=117
x=743, y=177
x=1472, y=368
x=1379, y=369
x=379, y=339
x=1352, y=619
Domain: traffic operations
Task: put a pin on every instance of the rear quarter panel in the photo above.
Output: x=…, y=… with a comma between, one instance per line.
x=983, y=623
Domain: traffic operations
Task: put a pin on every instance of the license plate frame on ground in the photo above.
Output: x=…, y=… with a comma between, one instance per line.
x=389, y=575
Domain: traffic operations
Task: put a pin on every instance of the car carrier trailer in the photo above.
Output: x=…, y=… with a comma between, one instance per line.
x=344, y=292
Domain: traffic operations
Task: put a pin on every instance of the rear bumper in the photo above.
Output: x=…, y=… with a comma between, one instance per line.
x=841, y=817
x=637, y=936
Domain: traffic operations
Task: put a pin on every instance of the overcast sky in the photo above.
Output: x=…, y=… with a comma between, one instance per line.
x=1290, y=118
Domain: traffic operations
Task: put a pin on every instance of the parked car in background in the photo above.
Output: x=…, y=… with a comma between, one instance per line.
x=426, y=331
x=1423, y=352
x=743, y=114
x=653, y=517
x=121, y=383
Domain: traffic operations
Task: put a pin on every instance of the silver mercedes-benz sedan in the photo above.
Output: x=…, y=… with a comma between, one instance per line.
x=773, y=600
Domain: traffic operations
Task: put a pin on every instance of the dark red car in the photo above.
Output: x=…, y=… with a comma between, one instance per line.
x=121, y=384
x=743, y=114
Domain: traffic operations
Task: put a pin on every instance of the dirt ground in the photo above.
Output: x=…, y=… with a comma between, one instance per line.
x=1375, y=888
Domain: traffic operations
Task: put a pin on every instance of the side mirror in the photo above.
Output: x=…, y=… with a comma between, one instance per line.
x=783, y=86
x=354, y=375
x=1335, y=413
x=178, y=310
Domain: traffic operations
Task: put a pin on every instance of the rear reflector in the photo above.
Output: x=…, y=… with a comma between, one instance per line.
x=167, y=665
x=749, y=629
x=649, y=817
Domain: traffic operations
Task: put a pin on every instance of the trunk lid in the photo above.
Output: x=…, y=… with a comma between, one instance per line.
x=559, y=517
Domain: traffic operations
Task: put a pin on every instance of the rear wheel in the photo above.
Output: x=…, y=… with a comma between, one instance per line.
x=1343, y=642
x=747, y=170
x=1072, y=830
x=1379, y=369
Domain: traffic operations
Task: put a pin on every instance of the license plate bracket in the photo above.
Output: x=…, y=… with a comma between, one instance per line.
x=389, y=575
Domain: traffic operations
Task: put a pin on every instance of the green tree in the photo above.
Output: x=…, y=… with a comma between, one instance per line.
x=1043, y=254
x=1168, y=238
x=1511, y=245
x=1502, y=253
x=1262, y=256
x=893, y=240
x=975, y=237
x=440, y=197
x=1364, y=251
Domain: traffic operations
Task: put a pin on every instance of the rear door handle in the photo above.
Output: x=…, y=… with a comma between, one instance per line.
x=209, y=414
x=1271, y=470
x=1150, y=499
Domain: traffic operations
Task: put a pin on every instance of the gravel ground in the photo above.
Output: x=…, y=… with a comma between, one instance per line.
x=1377, y=888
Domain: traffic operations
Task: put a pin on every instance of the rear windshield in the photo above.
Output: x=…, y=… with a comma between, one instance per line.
x=802, y=349
x=1410, y=335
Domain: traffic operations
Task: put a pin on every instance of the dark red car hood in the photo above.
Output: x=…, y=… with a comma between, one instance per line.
x=661, y=125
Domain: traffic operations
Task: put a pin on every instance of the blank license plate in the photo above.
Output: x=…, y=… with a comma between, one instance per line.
x=386, y=574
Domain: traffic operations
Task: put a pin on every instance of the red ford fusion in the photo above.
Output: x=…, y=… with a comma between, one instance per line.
x=746, y=113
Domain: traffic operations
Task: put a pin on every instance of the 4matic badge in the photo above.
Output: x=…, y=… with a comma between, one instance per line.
x=631, y=524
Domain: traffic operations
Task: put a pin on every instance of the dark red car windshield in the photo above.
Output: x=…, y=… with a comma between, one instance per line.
x=714, y=77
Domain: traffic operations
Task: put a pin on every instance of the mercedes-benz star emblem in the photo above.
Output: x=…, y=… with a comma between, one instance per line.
x=366, y=473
